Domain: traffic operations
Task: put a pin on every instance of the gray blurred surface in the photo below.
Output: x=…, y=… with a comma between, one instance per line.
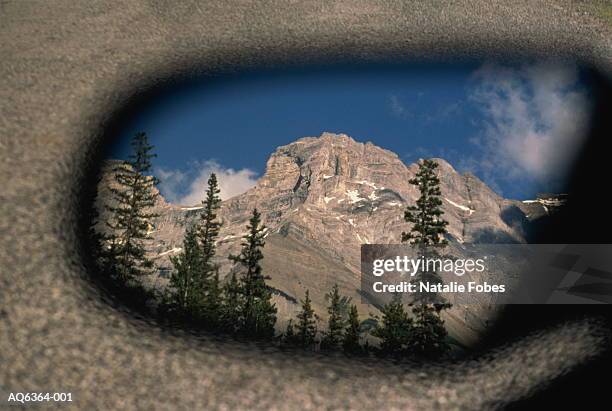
x=65, y=65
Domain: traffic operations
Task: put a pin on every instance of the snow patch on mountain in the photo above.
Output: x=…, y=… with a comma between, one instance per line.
x=353, y=195
x=459, y=206
x=172, y=251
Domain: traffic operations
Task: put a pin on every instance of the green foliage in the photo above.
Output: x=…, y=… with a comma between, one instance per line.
x=124, y=255
x=306, y=326
x=195, y=289
x=428, y=226
x=350, y=340
x=184, y=296
x=231, y=304
x=428, y=337
x=289, y=338
x=336, y=321
x=207, y=280
x=211, y=311
x=395, y=328
x=208, y=229
x=258, y=313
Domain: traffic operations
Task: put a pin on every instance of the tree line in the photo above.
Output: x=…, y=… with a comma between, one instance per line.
x=241, y=304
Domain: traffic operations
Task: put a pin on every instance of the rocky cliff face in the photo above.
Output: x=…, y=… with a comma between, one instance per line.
x=321, y=198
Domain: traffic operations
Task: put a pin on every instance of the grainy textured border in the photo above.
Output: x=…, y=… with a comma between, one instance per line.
x=66, y=65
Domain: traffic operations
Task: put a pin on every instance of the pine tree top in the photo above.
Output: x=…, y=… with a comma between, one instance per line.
x=252, y=243
x=428, y=226
x=130, y=220
x=209, y=226
x=140, y=159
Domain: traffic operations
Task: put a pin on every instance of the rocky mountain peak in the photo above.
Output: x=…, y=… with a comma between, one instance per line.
x=316, y=169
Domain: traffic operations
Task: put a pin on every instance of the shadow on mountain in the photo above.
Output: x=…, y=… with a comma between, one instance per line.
x=514, y=217
x=493, y=236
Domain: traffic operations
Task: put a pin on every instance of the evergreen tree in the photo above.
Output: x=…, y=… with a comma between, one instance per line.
x=207, y=233
x=395, y=329
x=427, y=234
x=428, y=227
x=350, y=340
x=428, y=337
x=231, y=303
x=289, y=337
x=184, y=296
x=336, y=321
x=258, y=312
x=133, y=195
x=306, y=326
x=212, y=309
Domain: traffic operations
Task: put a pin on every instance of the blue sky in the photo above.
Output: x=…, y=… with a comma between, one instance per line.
x=496, y=121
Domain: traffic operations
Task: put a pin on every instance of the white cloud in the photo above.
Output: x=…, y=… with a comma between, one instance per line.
x=535, y=117
x=398, y=108
x=170, y=182
x=188, y=188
